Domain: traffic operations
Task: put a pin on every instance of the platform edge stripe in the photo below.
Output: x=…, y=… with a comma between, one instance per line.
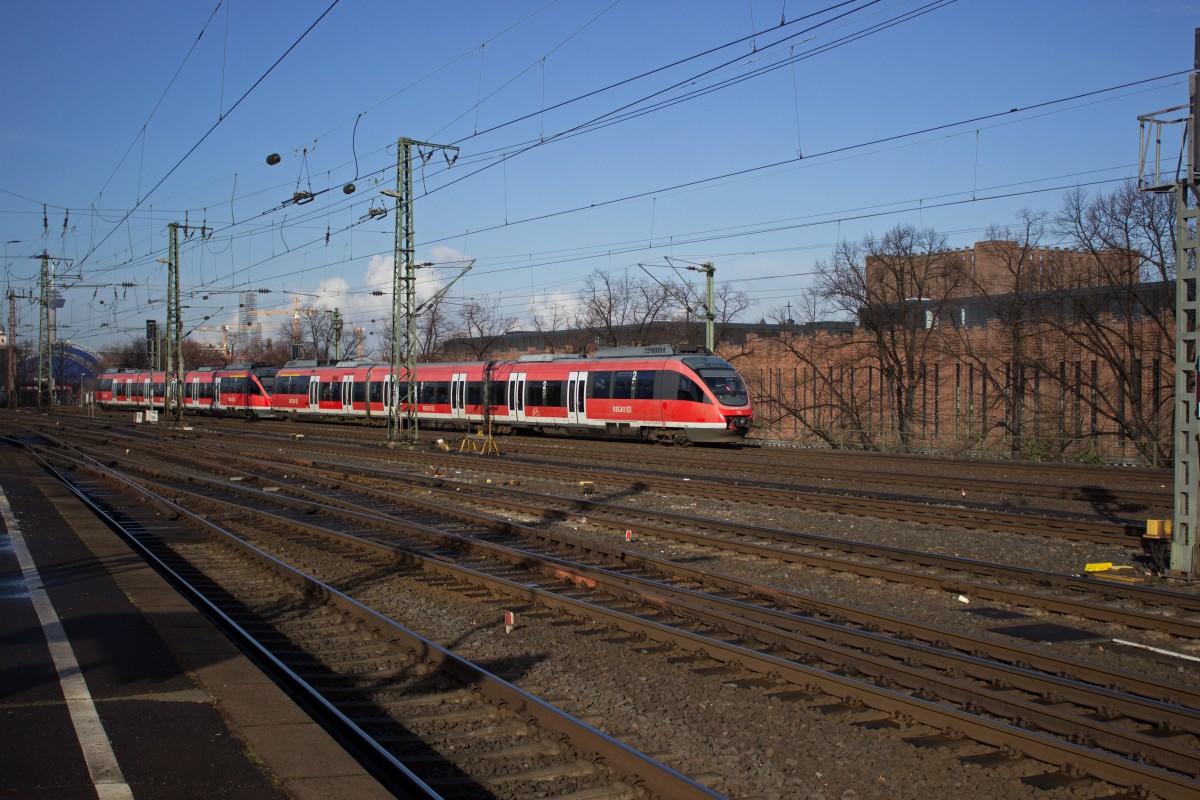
x=97, y=750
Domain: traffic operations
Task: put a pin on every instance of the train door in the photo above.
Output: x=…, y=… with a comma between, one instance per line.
x=516, y=396
x=576, y=398
x=458, y=395
x=195, y=393
x=389, y=394
x=216, y=401
x=348, y=393
x=314, y=393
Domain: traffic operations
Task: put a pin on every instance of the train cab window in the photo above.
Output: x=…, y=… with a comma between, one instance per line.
x=599, y=384
x=726, y=386
x=688, y=390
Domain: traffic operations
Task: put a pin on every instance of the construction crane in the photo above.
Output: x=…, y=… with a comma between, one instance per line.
x=295, y=312
x=224, y=331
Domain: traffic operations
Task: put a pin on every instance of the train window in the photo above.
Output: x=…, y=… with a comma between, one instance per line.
x=159, y=389
x=599, y=384
x=375, y=392
x=441, y=392
x=688, y=390
x=552, y=393
x=360, y=392
x=643, y=387
x=104, y=385
x=497, y=394
x=329, y=391
x=474, y=393
x=623, y=384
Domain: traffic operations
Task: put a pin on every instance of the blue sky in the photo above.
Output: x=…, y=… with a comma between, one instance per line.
x=114, y=126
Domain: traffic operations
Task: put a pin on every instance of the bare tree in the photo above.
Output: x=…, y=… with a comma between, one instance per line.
x=689, y=314
x=434, y=325
x=833, y=407
x=621, y=310
x=313, y=329
x=1008, y=275
x=898, y=286
x=482, y=324
x=548, y=319
x=1122, y=306
x=131, y=355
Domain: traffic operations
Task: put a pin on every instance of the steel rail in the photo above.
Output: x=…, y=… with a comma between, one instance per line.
x=634, y=766
x=1131, y=743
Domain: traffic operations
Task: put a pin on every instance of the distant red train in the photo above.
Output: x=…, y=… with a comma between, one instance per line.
x=235, y=389
x=656, y=393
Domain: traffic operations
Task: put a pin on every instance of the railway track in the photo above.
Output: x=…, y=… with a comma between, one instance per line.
x=982, y=698
x=1136, y=607
x=1075, y=527
x=435, y=725
x=1071, y=483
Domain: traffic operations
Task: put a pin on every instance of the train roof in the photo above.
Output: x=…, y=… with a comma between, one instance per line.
x=650, y=350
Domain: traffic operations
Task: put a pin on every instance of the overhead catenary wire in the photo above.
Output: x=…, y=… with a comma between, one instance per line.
x=296, y=219
x=215, y=125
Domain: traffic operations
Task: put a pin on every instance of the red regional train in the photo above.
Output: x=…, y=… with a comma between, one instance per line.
x=656, y=393
x=235, y=390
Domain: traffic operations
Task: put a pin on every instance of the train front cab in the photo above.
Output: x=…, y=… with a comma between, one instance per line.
x=725, y=414
x=678, y=397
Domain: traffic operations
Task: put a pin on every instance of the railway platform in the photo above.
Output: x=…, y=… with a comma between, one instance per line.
x=113, y=686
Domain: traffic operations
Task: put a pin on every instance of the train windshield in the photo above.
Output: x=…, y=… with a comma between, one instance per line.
x=721, y=379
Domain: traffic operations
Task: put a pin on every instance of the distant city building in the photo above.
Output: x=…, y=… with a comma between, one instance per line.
x=249, y=328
